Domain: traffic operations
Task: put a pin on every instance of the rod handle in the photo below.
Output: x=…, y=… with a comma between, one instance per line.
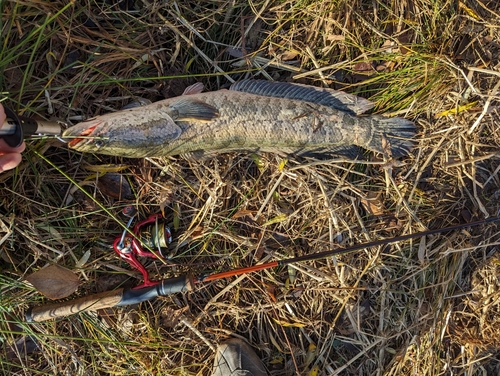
x=107, y=299
x=87, y=303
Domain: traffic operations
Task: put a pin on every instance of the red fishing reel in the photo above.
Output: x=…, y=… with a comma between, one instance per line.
x=152, y=233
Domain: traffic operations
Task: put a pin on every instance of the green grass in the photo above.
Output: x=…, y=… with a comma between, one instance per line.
x=433, y=306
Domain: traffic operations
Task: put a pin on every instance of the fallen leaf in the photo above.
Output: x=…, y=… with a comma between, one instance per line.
x=275, y=343
x=466, y=215
x=257, y=159
x=115, y=185
x=197, y=232
x=373, y=203
x=271, y=291
x=390, y=46
x=276, y=360
x=387, y=66
x=364, y=68
x=292, y=274
x=289, y=55
x=314, y=371
x=259, y=252
x=83, y=260
x=468, y=10
x=51, y=61
x=457, y=110
x=282, y=165
x=166, y=198
x=243, y=213
x=234, y=52
x=105, y=168
x=170, y=317
x=335, y=38
x=277, y=219
x=311, y=354
x=422, y=248
x=177, y=216
x=289, y=324
x=53, y=232
x=54, y=281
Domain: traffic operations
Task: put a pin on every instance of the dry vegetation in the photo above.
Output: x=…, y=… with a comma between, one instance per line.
x=424, y=307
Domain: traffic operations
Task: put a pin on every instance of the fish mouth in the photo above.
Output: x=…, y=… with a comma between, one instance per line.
x=80, y=133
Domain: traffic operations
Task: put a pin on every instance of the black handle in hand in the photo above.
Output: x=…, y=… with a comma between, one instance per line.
x=16, y=128
x=23, y=125
x=120, y=297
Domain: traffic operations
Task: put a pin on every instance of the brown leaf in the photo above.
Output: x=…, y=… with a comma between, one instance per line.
x=243, y=213
x=289, y=55
x=115, y=185
x=335, y=38
x=365, y=68
x=166, y=198
x=170, y=317
x=390, y=47
x=373, y=203
x=259, y=252
x=387, y=66
x=54, y=281
x=271, y=291
x=122, y=320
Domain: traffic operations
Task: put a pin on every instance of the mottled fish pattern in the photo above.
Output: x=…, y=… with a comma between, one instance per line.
x=252, y=115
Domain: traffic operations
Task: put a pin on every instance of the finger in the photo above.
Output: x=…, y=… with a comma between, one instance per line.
x=9, y=161
x=4, y=148
x=2, y=115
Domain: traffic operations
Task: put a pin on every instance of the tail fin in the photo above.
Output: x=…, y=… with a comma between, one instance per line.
x=394, y=133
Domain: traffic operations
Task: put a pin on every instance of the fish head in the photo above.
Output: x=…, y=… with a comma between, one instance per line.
x=132, y=133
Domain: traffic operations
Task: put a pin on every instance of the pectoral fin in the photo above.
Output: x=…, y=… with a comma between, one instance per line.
x=191, y=109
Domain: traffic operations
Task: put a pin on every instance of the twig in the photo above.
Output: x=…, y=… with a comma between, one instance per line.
x=473, y=160
x=450, y=64
x=485, y=108
x=486, y=71
x=270, y=194
x=198, y=333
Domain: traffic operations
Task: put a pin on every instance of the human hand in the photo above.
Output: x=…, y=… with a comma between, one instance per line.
x=9, y=157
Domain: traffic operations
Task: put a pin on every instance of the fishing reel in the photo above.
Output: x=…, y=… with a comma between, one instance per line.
x=152, y=234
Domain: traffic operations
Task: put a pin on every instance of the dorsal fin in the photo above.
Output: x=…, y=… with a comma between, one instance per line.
x=323, y=96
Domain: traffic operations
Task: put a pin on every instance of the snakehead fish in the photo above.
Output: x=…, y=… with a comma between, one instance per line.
x=253, y=115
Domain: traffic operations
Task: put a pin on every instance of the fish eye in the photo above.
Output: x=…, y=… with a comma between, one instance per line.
x=99, y=143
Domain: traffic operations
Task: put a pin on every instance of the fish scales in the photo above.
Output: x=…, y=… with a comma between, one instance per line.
x=231, y=120
x=248, y=121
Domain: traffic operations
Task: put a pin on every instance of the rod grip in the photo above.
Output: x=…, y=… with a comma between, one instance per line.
x=87, y=303
x=115, y=298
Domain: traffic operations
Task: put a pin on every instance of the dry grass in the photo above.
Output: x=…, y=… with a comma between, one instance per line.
x=426, y=307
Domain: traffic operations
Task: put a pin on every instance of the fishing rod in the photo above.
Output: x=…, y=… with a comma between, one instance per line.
x=128, y=247
x=16, y=128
